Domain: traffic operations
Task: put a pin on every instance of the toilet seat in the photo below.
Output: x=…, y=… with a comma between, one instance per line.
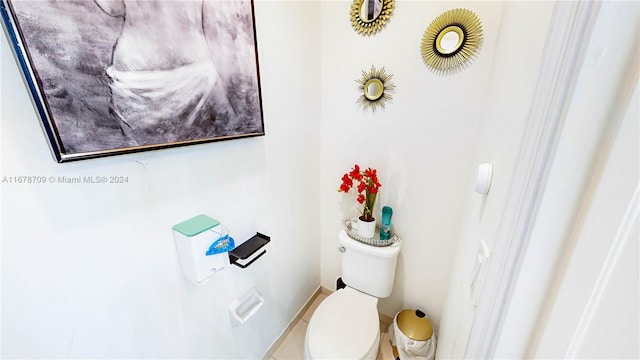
x=344, y=326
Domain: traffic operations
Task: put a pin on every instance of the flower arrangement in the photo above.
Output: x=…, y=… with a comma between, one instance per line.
x=368, y=187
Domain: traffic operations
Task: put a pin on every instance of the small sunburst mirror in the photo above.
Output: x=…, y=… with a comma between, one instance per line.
x=451, y=40
x=369, y=16
x=375, y=87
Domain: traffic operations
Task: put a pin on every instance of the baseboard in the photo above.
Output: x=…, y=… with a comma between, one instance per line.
x=276, y=344
x=385, y=319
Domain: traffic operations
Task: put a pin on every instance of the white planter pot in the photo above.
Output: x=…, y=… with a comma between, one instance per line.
x=367, y=229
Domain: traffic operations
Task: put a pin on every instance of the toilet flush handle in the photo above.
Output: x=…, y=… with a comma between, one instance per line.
x=342, y=249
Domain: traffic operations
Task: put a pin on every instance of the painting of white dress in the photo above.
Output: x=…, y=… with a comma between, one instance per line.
x=117, y=76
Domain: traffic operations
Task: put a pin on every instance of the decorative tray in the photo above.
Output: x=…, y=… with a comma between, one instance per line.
x=375, y=240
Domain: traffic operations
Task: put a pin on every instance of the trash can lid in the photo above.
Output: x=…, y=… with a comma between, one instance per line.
x=196, y=225
x=415, y=324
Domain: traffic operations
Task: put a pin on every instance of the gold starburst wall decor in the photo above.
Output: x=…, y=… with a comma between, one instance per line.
x=451, y=41
x=370, y=16
x=375, y=87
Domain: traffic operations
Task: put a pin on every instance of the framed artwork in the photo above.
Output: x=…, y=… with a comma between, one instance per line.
x=109, y=77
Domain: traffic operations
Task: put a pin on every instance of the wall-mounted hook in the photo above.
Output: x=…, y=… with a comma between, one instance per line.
x=483, y=180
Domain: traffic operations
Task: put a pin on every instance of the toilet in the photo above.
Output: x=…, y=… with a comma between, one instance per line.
x=346, y=324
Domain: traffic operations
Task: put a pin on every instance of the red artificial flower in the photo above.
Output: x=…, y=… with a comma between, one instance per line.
x=346, y=180
x=368, y=187
x=370, y=173
x=355, y=173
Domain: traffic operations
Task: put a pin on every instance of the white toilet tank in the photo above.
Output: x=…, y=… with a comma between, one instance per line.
x=369, y=269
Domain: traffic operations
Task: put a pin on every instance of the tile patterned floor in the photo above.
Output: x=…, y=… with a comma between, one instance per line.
x=293, y=345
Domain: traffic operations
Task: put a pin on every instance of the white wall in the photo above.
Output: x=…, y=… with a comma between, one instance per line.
x=517, y=61
x=427, y=144
x=92, y=271
x=423, y=144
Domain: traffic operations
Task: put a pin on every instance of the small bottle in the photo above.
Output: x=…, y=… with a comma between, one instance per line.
x=385, y=227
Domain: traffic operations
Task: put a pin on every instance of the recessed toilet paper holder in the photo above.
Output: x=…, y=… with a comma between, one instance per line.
x=242, y=309
x=248, y=249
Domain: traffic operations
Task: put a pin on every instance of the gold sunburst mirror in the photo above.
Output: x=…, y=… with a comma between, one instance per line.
x=375, y=87
x=369, y=16
x=452, y=40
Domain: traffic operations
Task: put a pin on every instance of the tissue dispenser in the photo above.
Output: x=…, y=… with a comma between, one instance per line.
x=202, y=243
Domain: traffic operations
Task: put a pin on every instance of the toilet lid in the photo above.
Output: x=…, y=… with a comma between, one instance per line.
x=344, y=326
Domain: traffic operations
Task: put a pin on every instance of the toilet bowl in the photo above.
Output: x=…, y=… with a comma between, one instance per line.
x=344, y=326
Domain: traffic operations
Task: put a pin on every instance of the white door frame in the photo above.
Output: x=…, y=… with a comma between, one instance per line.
x=565, y=49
